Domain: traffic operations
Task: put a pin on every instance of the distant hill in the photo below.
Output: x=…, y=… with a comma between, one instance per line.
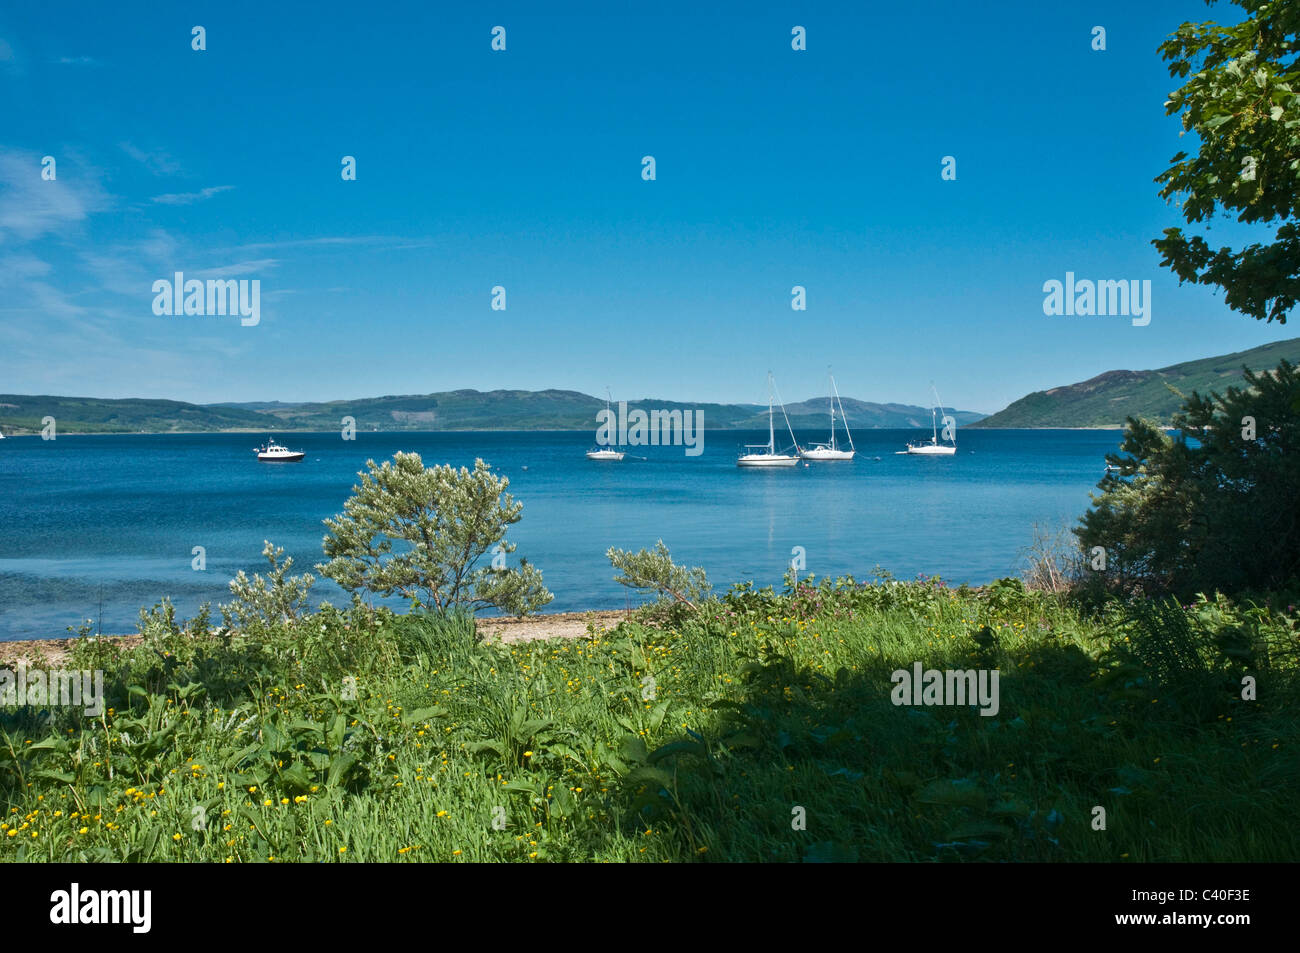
x=22, y=414
x=815, y=415
x=449, y=410
x=1105, y=400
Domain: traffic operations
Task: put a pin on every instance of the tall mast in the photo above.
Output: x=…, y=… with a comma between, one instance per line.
x=771, y=427
x=934, y=421
x=793, y=439
x=831, y=401
x=939, y=400
x=609, y=397
x=843, y=416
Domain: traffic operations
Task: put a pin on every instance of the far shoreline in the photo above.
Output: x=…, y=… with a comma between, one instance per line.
x=269, y=430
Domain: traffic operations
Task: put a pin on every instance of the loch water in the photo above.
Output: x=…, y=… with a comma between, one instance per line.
x=94, y=527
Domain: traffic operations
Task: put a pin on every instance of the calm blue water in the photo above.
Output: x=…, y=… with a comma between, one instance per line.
x=120, y=515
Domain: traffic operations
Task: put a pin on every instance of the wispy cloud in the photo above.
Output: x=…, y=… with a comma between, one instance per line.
x=77, y=61
x=126, y=267
x=259, y=266
x=69, y=299
x=378, y=241
x=21, y=265
x=155, y=160
x=6, y=51
x=159, y=246
x=189, y=198
x=31, y=206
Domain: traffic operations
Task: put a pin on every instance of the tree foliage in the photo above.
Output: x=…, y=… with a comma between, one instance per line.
x=420, y=532
x=1215, y=506
x=655, y=572
x=260, y=601
x=1241, y=97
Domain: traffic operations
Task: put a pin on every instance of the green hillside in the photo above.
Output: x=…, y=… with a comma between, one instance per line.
x=478, y=410
x=1105, y=400
x=450, y=410
x=1102, y=401
x=21, y=413
x=814, y=415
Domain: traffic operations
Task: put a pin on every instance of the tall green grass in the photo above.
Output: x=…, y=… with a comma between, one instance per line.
x=760, y=728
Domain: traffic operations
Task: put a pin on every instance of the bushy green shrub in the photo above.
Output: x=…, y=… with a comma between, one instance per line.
x=262, y=602
x=653, y=571
x=419, y=532
x=1215, y=507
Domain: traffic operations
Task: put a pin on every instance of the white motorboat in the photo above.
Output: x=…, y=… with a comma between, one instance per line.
x=933, y=448
x=601, y=452
x=769, y=457
x=272, y=452
x=831, y=450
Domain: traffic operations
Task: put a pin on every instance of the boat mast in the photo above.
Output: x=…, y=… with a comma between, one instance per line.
x=938, y=400
x=934, y=421
x=608, y=398
x=831, y=401
x=771, y=427
x=843, y=416
x=790, y=429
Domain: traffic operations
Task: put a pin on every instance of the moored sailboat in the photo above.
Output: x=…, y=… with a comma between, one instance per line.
x=831, y=450
x=769, y=457
x=604, y=452
x=934, y=448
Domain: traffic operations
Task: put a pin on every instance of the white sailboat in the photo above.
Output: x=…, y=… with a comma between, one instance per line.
x=605, y=453
x=831, y=450
x=769, y=457
x=933, y=448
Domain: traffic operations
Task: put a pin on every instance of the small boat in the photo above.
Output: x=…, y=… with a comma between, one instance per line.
x=831, y=450
x=272, y=452
x=605, y=453
x=933, y=448
x=769, y=457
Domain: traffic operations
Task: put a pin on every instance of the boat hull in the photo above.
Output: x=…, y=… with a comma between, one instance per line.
x=767, y=460
x=931, y=450
x=818, y=453
x=604, y=455
x=281, y=457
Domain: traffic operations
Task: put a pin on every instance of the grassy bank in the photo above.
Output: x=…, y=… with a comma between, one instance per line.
x=709, y=736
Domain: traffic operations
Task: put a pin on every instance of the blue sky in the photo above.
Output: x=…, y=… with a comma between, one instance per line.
x=522, y=169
